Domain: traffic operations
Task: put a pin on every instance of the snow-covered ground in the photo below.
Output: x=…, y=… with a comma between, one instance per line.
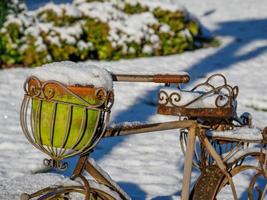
x=150, y=166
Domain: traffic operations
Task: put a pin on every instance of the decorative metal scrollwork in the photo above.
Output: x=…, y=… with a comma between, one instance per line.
x=225, y=94
x=55, y=164
x=46, y=90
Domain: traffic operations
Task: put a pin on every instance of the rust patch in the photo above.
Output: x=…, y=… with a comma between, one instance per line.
x=196, y=112
x=169, y=78
x=208, y=183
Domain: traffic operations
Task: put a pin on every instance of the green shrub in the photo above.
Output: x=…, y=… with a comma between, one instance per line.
x=53, y=34
x=134, y=9
x=97, y=33
x=176, y=20
x=33, y=55
x=171, y=44
x=9, y=52
x=57, y=20
x=63, y=52
x=9, y=45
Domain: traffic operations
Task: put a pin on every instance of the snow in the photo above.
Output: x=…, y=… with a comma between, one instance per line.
x=71, y=73
x=165, y=28
x=84, y=45
x=147, y=49
x=32, y=31
x=125, y=124
x=67, y=34
x=11, y=20
x=243, y=133
x=50, y=6
x=150, y=166
x=71, y=10
x=135, y=26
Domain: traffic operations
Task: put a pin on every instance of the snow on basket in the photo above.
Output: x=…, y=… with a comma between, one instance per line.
x=70, y=73
x=69, y=107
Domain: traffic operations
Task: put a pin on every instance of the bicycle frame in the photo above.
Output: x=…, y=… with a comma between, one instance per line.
x=195, y=129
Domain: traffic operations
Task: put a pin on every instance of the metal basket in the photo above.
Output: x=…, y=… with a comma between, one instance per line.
x=224, y=103
x=63, y=121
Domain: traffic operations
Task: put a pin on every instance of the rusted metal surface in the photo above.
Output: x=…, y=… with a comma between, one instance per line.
x=157, y=78
x=47, y=90
x=207, y=185
x=188, y=163
x=229, y=169
x=165, y=78
x=196, y=112
x=219, y=161
x=80, y=166
x=168, y=104
x=121, y=130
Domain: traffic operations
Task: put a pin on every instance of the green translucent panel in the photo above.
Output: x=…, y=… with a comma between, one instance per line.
x=70, y=125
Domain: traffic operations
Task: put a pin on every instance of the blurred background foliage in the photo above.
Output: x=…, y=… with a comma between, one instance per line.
x=3, y=11
x=66, y=32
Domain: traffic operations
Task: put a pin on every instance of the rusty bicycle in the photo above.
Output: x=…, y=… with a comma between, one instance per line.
x=66, y=120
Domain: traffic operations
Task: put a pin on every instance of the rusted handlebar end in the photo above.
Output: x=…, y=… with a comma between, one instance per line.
x=169, y=78
x=157, y=78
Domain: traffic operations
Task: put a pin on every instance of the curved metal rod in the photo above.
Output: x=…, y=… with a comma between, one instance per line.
x=41, y=91
x=237, y=170
x=169, y=98
x=252, y=184
x=24, y=126
x=54, y=192
x=87, y=187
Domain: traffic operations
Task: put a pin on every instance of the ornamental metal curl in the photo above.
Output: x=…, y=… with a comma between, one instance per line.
x=226, y=94
x=61, y=126
x=163, y=98
x=46, y=90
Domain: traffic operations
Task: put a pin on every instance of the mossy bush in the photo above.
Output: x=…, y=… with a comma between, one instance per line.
x=103, y=30
x=134, y=8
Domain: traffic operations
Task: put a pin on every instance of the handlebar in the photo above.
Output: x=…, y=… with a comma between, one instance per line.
x=156, y=78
